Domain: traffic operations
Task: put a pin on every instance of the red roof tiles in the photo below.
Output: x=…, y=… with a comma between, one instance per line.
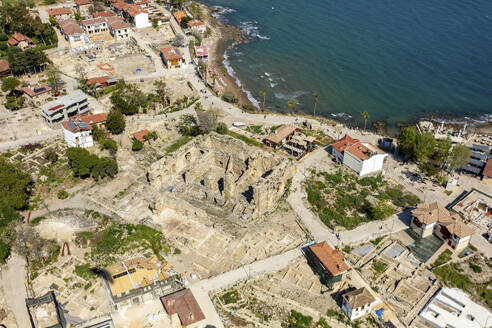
x=185, y=305
x=140, y=135
x=344, y=142
x=487, y=171
x=331, y=259
x=171, y=53
x=98, y=14
x=59, y=11
x=83, y=2
x=179, y=15
x=4, y=66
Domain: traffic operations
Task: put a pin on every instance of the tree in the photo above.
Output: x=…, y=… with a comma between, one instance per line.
x=222, y=128
x=110, y=144
x=316, y=96
x=293, y=104
x=460, y=156
x=184, y=22
x=365, y=115
x=53, y=21
x=407, y=139
x=115, y=122
x=3, y=37
x=264, y=92
x=441, y=153
x=127, y=98
x=161, y=90
x=137, y=145
x=3, y=45
x=53, y=76
x=81, y=162
x=10, y=84
x=105, y=167
x=424, y=147
x=15, y=185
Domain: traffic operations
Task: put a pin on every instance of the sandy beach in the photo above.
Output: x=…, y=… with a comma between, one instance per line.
x=223, y=37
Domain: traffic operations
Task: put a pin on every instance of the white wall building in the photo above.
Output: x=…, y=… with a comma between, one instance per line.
x=364, y=158
x=77, y=134
x=452, y=308
x=358, y=303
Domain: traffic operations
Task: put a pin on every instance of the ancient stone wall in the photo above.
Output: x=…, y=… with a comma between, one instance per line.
x=222, y=171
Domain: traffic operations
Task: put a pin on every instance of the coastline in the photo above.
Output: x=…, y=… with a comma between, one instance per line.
x=225, y=37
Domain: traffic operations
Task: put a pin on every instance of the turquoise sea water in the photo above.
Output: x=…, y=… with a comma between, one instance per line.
x=397, y=59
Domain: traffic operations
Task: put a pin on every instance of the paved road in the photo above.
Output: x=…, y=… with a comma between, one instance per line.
x=4, y=146
x=202, y=288
x=13, y=277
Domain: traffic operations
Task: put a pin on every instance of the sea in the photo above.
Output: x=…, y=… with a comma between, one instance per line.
x=399, y=60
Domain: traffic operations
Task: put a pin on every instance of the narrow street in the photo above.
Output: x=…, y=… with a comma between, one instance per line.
x=13, y=276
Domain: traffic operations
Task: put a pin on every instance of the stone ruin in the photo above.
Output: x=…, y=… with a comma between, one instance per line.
x=224, y=173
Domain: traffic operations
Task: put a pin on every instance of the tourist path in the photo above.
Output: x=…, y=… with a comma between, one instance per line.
x=13, y=277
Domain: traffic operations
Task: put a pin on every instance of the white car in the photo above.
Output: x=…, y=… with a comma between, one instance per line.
x=238, y=124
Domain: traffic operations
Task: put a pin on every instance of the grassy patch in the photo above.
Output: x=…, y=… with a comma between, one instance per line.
x=178, y=144
x=298, y=320
x=379, y=266
x=37, y=220
x=256, y=129
x=118, y=239
x=84, y=271
x=345, y=200
x=246, y=140
x=452, y=276
x=376, y=241
x=444, y=257
x=230, y=297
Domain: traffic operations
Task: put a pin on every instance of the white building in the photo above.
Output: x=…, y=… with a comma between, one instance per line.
x=452, y=308
x=78, y=132
x=64, y=107
x=364, y=158
x=75, y=35
x=95, y=25
x=118, y=28
x=358, y=303
x=197, y=26
x=138, y=16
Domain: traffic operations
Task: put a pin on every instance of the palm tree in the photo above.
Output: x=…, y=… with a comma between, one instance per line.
x=293, y=104
x=365, y=115
x=316, y=96
x=263, y=92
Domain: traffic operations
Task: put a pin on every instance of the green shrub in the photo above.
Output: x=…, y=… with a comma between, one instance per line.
x=137, y=145
x=178, y=144
x=62, y=194
x=245, y=139
x=298, y=320
x=37, y=220
x=222, y=128
x=475, y=268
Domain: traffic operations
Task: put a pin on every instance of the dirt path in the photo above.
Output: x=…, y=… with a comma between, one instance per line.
x=13, y=277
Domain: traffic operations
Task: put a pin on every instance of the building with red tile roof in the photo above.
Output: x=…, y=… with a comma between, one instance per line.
x=98, y=14
x=197, y=26
x=62, y=13
x=4, y=67
x=183, y=305
x=171, y=57
x=179, y=15
x=201, y=52
x=362, y=157
x=140, y=135
x=36, y=90
x=101, y=81
x=21, y=41
x=487, y=172
x=327, y=262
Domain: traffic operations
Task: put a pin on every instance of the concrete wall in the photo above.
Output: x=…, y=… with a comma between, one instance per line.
x=84, y=138
x=352, y=162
